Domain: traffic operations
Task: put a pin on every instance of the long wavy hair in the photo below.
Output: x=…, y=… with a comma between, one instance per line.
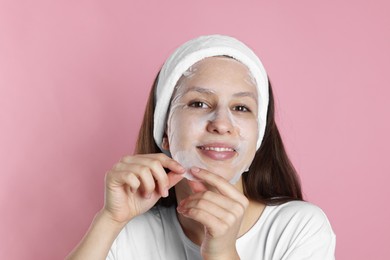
x=271, y=179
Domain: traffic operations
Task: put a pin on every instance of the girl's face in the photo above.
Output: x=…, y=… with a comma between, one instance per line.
x=212, y=122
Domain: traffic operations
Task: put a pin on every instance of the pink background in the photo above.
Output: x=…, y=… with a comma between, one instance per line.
x=74, y=77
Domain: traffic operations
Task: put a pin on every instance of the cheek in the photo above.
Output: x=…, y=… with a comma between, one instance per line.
x=248, y=130
x=184, y=127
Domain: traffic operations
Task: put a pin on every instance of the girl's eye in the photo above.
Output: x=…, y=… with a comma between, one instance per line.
x=241, y=109
x=198, y=104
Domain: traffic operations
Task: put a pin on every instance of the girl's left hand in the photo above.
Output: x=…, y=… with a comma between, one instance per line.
x=220, y=209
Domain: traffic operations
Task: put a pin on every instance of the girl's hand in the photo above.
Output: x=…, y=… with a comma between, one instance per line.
x=220, y=210
x=135, y=184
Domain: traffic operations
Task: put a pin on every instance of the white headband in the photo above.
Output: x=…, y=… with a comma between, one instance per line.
x=195, y=50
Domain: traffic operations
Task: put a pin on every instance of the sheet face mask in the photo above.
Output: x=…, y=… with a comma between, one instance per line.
x=188, y=158
x=178, y=64
x=185, y=122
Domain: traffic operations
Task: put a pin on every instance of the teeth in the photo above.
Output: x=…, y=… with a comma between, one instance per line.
x=218, y=149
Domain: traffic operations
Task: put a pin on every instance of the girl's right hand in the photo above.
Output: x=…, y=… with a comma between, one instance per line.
x=135, y=184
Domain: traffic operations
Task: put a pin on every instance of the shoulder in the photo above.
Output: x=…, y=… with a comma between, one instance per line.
x=299, y=209
x=292, y=230
x=300, y=214
x=306, y=228
x=298, y=205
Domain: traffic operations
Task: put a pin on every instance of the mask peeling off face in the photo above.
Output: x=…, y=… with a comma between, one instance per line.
x=212, y=122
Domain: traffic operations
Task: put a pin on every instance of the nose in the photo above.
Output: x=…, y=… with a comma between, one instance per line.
x=221, y=123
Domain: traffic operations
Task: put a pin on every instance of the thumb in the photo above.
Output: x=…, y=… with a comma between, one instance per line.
x=174, y=178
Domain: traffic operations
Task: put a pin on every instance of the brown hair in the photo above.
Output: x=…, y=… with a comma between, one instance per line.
x=271, y=179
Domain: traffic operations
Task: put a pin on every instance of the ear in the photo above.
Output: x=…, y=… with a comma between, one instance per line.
x=165, y=142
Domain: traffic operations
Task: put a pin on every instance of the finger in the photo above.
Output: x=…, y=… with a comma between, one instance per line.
x=160, y=174
x=144, y=177
x=204, y=199
x=153, y=167
x=170, y=164
x=173, y=179
x=197, y=186
x=222, y=185
x=213, y=224
x=133, y=183
x=147, y=181
x=156, y=162
x=119, y=179
x=214, y=209
x=119, y=166
x=165, y=161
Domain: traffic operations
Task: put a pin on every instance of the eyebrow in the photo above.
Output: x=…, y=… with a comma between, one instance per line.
x=246, y=94
x=210, y=92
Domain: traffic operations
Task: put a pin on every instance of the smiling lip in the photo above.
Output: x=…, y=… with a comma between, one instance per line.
x=219, y=152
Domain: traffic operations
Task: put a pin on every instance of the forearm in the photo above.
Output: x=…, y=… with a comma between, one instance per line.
x=98, y=240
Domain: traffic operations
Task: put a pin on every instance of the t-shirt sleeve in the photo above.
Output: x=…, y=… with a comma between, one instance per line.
x=313, y=237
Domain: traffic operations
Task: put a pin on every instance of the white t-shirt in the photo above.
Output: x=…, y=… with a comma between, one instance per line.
x=294, y=230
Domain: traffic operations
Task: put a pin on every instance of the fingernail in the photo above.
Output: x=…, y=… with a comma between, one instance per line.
x=195, y=169
x=182, y=169
x=181, y=209
x=165, y=193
